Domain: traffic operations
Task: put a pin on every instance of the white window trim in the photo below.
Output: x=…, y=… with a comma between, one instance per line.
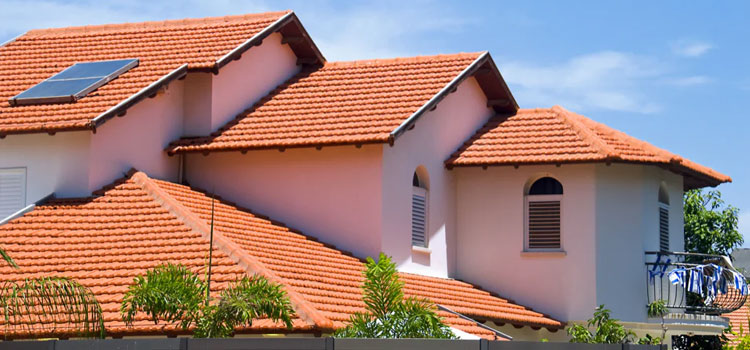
x=426, y=194
x=541, y=197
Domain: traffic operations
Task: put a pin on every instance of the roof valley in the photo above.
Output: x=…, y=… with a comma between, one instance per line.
x=251, y=265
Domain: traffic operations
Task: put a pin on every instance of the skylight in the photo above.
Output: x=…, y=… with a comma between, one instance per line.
x=74, y=82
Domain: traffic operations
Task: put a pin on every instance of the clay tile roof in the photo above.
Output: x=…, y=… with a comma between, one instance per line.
x=138, y=222
x=162, y=47
x=738, y=320
x=339, y=103
x=556, y=135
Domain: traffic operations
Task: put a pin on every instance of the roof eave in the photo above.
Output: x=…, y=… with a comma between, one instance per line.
x=697, y=179
x=293, y=34
x=121, y=108
x=485, y=71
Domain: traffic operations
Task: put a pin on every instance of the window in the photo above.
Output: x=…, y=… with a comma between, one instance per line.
x=543, y=215
x=12, y=191
x=419, y=208
x=663, y=218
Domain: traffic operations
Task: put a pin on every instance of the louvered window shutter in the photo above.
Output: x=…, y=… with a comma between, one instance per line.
x=543, y=222
x=419, y=217
x=663, y=228
x=12, y=191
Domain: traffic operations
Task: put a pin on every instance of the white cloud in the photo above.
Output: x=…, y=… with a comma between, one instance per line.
x=606, y=80
x=377, y=31
x=689, y=81
x=689, y=48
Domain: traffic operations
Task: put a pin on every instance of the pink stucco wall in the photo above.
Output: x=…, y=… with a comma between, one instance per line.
x=333, y=194
x=436, y=135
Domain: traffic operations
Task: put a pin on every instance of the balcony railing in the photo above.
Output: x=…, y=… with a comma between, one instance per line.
x=714, y=294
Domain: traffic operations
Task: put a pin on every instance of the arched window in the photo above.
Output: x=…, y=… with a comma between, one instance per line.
x=419, y=207
x=663, y=218
x=543, y=214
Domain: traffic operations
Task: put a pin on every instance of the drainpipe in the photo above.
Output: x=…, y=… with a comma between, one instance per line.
x=181, y=168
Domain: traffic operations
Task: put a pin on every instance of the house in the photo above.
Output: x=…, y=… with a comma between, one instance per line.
x=428, y=159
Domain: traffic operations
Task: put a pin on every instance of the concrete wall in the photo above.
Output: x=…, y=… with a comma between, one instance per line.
x=436, y=135
x=54, y=163
x=627, y=224
x=490, y=244
x=333, y=194
x=138, y=139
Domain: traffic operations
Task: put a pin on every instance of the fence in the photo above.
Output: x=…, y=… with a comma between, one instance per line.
x=307, y=344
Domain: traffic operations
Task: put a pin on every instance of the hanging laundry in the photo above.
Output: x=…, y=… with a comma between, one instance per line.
x=707, y=280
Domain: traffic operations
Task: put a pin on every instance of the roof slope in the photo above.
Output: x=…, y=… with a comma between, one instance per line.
x=739, y=321
x=138, y=222
x=354, y=102
x=556, y=135
x=162, y=47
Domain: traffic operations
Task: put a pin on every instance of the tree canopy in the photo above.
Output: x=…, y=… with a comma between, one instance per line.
x=710, y=224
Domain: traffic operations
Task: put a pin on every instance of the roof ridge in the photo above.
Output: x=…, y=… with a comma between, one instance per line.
x=153, y=24
x=302, y=307
x=585, y=133
x=415, y=59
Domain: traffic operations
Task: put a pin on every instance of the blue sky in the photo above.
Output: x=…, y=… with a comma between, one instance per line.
x=674, y=73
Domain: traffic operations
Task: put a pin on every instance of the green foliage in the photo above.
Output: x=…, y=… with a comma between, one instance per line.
x=657, y=308
x=389, y=314
x=7, y=258
x=649, y=340
x=607, y=330
x=174, y=294
x=710, y=225
x=39, y=306
x=169, y=292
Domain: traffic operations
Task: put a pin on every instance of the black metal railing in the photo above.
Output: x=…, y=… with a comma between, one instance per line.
x=677, y=297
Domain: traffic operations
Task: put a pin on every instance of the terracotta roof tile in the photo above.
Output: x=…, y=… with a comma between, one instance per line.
x=161, y=47
x=738, y=320
x=339, y=103
x=556, y=135
x=138, y=223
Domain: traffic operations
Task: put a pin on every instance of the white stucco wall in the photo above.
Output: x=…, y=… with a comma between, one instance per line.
x=333, y=194
x=490, y=244
x=54, y=163
x=138, y=139
x=627, y=223
x=436, y=135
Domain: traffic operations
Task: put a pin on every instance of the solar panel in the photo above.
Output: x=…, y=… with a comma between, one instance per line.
x=74, y=82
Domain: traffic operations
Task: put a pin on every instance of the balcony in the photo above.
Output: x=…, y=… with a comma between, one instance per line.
x=705, y=284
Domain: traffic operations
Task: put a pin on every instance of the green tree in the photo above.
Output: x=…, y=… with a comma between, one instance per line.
x=710, y=224
x=389, y=314
x=174, y=294
x=36, y=307
x=607, y=330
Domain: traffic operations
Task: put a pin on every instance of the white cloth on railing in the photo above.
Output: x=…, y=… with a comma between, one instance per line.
x=711, y=276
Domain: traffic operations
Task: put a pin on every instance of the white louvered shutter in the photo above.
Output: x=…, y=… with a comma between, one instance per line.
x=419, y=217
x=543, y=225
x=663, y=228
x=12, y=191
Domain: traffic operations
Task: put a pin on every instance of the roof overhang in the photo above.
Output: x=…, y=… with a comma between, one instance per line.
x=484, y=70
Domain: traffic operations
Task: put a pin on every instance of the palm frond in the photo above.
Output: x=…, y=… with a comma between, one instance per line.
x=168, y=292
x=389, y=314
x=7, y=258
x=48, y=306
x=244, y=300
